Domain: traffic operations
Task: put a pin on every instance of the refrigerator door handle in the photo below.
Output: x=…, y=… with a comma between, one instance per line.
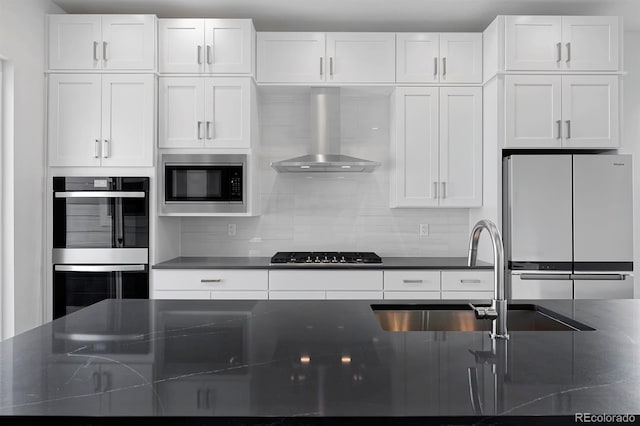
x=545, y=277
x=594, y=277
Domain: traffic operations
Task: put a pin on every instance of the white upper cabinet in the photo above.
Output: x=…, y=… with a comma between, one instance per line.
x=212, y=112
x=222, y=46
x=102, y=42
x=361, y=57
x=561, y=43
x=433, y=57
x=101, y=120
x=326, y=57
x=289, y=57
x=569, y=111
x=437, y=148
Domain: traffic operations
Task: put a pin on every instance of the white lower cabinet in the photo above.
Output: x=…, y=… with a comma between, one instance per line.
x=210, y=284
x=467, y=295
x=305, y=280
x=406, y=295
x=354, y=295
x=411, y=284
x=467, y=285
x=297, y=295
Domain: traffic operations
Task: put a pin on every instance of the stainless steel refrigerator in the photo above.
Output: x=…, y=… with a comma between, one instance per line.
x=568, y=226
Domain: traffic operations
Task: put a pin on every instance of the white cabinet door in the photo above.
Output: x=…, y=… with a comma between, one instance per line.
x=74, y=120
x=361, y=57
x=418, y=56
x=75, y=42
x=460, y=147
x=467, y=295
x=461, y=57
x=411, y=295
x=181, y=295
x=240, y=295
x=411, y=280
x=590, y=43
x=127, y=119
x=533, y=111
x=228, y=45
x=590, y=110
x=289, y=57
x=181, y=45
x=533, y=43
x=181, y=112
x=354, y=295
x=227, y=112
x=467, y=280
x=333, y=280
x=414, y=182
x=297, y=295
x=128, y=42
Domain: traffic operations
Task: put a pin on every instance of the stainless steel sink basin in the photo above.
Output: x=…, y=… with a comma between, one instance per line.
x=520, y=317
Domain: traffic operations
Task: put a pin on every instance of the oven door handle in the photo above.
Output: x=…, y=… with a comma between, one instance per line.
x=100, y=194
x=98, y=268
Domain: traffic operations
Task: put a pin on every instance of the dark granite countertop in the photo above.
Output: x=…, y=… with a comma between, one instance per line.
x=263, y=263
x=313, y=358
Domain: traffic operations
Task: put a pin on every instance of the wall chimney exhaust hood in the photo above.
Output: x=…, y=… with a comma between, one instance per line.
x=325, y=139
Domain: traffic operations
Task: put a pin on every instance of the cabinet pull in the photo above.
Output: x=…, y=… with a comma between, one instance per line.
x=444, y=190
x=199, y=54
x=468, y=281
x=412, y=281
x=559, y=123
x=568, y=52
x=444, y=67
x=107, y=382
x=435, y=66
x=105, y=148
x=568, y=129
x=211, y=280
x=209, y=54
x=321, y=67
x=95, y=50
x=104, y=50
x=208, y=130
x=331, y=66
x=97, y=381
x=559, y=52
x=435, y=189
x=96, y=149
x=199, y=129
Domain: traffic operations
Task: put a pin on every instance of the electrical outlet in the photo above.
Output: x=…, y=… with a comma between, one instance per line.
x=231, y=230
x=424, y=230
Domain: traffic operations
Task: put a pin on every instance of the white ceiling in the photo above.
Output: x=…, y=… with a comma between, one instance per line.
x=362, y=15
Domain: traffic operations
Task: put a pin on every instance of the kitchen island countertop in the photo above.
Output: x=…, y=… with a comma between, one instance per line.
x=307, y=359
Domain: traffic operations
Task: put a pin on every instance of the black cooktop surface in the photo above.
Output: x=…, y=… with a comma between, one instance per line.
x=328, y=257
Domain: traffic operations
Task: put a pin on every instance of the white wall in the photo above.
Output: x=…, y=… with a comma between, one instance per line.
x=327, y=211
x=22, y=43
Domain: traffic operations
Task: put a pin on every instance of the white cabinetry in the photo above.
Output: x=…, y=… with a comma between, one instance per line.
x=210, y=112
x=314, y=284
x=103, y=120
x=206, y=46
x=467, y=285
x=437, y=148
x=102, y=42
x=569, y=111
x=210, y=284
x=411, y=284
x=433, y=57
x=326, y=57
x=561, y=43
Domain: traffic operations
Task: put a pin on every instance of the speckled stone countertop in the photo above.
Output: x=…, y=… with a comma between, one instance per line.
x=308, y=359
x=263, y=263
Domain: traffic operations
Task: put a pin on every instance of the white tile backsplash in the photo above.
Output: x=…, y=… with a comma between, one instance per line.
x=315, y=211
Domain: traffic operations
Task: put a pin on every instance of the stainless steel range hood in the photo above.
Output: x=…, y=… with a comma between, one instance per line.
x=325, y=139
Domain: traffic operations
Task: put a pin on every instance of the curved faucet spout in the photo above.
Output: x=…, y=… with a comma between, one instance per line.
x=498, y=310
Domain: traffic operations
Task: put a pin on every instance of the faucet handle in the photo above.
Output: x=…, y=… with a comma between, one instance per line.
x=484, y=312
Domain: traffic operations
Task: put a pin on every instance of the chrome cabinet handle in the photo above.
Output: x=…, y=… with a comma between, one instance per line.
x=435, y=189
x=107, y=382
x=105, y=148
x=321, y=67
x=568, y=129
x=470, y=281
x=96, y=149
x=412, y=281
x=559, y=52
x=331, y=66
x=545, y=277
x=209, y=54
x=97, y=382
x=444, y=190
x=213, y=280
x=559, y=123
x=210, y=130
x=568, y=52
x=596, y=277
x=95, y=50
x=104, y=50
x=199, y=129
x=99, y=194
x=435, y=66
x=444, y=67
x=98, y=268
x=199, y=54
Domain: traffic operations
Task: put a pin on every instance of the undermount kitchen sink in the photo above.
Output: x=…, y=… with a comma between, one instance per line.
x=520, y=317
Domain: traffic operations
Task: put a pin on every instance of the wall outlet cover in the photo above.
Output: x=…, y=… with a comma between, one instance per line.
x=424, y=230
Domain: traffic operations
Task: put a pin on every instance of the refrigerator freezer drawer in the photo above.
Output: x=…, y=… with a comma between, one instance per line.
x=540, y=286
x=604, y=289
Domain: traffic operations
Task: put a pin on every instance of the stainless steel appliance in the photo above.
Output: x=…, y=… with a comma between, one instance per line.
x=100, y=240
x=568, y=226
x=203, y=183
x=326, y=258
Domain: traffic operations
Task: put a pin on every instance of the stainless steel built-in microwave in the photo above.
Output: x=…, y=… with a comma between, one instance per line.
x=203, y=183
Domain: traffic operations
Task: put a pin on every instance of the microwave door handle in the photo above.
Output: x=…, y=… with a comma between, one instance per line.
x=99, y=268
x=118, y=223
x=100, y=194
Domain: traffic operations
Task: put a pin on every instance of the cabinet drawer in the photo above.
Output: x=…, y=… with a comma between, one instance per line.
x=467, y=295
x=179, y=294
x=467, y=280
x=325, y=280
x=297, y=295
x=417, y=295
x=354, y=295
x=210, y=279
x=240, y=295
x=412, y=280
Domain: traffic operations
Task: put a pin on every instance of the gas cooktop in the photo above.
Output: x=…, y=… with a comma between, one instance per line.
x=325, y=257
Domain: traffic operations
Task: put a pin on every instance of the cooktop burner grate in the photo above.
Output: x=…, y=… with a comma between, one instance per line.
x=326, y=257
